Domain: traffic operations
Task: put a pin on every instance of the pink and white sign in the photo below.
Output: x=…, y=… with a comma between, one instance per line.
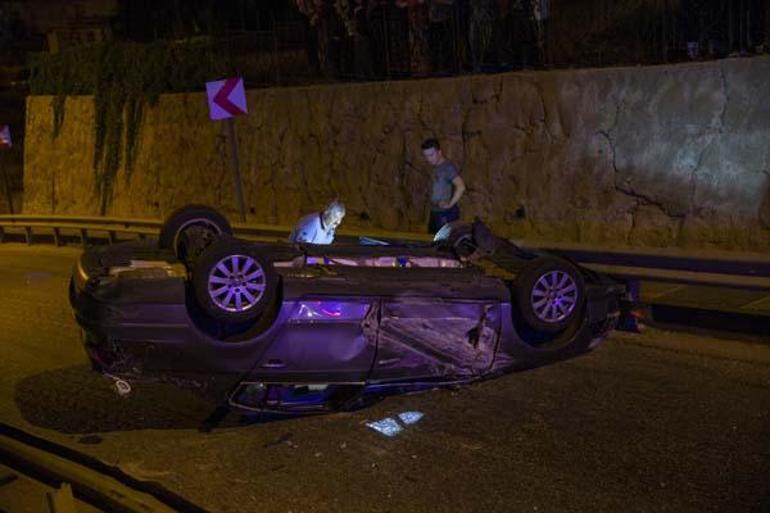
x=227, y=98
x=5, y=136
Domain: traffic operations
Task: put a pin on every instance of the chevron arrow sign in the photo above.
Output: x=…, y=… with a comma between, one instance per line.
x=227, y=98
x=5, y=136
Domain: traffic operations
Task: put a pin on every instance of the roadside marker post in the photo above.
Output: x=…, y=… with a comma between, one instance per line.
x=6, y=144
x=227, y=99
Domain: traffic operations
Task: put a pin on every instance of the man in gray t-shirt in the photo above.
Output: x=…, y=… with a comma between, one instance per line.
x=447, y=189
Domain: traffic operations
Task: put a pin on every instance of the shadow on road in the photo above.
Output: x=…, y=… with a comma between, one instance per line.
x=78, y=400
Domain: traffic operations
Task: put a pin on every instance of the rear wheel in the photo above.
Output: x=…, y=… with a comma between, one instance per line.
x=189, y=230
x=549, y=294
x=234, y=281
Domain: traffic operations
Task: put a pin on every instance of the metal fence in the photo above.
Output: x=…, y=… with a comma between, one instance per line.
x=344, y=40
x=296, y=41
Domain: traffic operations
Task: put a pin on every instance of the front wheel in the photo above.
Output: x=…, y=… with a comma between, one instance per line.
x=458, y=237
x=234, y=281
x=549, y=294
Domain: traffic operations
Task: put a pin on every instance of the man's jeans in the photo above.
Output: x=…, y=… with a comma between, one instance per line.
x=439, y=218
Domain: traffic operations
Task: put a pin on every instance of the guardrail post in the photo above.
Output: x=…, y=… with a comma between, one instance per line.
x=2, y=234
x=61, y=500
x=84, y=237
x=111, y=236
x=28, y=234
x=629, y=311
x=57, y=237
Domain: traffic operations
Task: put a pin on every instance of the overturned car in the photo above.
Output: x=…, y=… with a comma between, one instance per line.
x=296, y=327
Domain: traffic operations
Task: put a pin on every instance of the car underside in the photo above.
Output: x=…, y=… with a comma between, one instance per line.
x=280, y=326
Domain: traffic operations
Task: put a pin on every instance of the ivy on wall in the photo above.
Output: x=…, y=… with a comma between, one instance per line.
x=124, y=78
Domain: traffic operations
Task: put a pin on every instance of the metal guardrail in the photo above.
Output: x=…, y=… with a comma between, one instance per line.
x=741, y=270
x=59, y=227
x=88, y=229
x=719, y=269
x=103, y=487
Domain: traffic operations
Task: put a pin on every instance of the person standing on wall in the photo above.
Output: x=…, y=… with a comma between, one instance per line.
x=448, y=187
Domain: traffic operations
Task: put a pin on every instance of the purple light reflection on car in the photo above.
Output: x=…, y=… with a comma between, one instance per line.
x=330, y=310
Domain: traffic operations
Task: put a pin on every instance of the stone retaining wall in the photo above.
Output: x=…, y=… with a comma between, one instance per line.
x=660, y=156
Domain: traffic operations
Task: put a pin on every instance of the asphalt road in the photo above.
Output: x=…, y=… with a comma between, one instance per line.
x=653, y=422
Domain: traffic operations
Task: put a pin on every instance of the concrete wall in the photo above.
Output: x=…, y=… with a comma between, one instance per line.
x=661, y=156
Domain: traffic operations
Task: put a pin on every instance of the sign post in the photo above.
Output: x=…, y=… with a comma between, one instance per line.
x=227, y=99
x=6, y=144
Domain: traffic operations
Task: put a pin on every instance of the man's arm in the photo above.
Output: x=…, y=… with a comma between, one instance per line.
x=459, y=189
x=302, y=232
x=302, y=237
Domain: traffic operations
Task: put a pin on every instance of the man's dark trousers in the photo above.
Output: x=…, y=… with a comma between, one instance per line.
x=439, y=218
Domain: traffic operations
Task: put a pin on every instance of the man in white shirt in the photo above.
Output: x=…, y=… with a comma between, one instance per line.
x=319, y=227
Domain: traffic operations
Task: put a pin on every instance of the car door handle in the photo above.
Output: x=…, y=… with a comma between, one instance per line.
x=274, y=364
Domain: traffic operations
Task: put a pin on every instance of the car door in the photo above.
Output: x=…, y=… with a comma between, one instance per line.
x=324, y=339
x=435, y=338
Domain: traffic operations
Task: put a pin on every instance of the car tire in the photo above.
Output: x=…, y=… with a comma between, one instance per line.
x=549, y=294
x=458, y=237
x=234, y=281
x=189, y=230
